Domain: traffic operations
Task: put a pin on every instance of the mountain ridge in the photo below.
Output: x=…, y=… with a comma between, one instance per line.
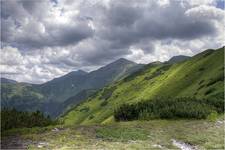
x=201, y=76
x=178, y=58
x=52, y=94
x=6, y=80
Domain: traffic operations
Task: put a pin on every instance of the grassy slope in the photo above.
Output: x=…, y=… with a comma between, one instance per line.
x=19, y=89
x=189, y=78
x=20, y=96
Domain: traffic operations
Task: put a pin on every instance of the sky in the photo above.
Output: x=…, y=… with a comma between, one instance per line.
x=45, y=39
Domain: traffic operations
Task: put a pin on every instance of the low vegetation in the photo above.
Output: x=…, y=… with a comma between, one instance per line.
x=169, y=108
x=11, y=118
x=201, y=77
x=107, y=93
x=154, y=134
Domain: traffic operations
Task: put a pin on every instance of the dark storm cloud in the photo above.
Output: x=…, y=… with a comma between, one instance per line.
x=54, y=36
x=139, y=24
x=35, y=32
x=128, y=24
x=121, y=14
x=122, y=24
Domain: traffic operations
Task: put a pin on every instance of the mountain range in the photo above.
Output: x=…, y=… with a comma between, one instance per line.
x=129, y=80
x=200, y=76
x=55, y=96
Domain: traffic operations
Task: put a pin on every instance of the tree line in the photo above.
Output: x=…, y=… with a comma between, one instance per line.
x=169, y=108
x=12, y=118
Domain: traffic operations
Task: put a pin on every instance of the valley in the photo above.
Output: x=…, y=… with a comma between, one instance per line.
x=112, y=75
x=161, y=105
x=58, y=95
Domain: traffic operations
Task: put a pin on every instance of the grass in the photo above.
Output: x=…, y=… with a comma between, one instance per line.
x=121, y=134
x=91, y=125
x=156, y=80
x=131, y=135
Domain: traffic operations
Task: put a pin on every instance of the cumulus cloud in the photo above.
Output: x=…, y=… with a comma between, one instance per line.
x=38, y=24
x=46, y=39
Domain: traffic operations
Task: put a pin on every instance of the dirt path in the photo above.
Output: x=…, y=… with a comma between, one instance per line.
x=14, y=142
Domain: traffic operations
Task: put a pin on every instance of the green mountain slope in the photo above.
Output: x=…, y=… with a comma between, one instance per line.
x=62, y=88
x=21, y=96
x=57, y=95
x=201, y=76
x=59, y=89
x=5, y=80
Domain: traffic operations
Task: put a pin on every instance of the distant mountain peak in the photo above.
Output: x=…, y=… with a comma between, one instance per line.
x=81, y=71
x=78, y=72
x=122, y=61
x=5, y=80
x=178, y=58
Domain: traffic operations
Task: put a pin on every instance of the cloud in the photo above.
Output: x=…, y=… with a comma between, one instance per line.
x=46, y=39
x=37, y=24
x=153, y=23
x=11, y=56
x=27, y=67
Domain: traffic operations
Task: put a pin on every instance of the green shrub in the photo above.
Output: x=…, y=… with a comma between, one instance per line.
x=169, y=108
x=91, y=117
x=216, y=79
x=208, y=52
x=201, y=86
x=212, y=116
x=201, y=69
x=201, y=82
x=104, y=103
x=155, y=74
x=12, y=118
x=107, y=93
x=85, y=109
x=209, y=91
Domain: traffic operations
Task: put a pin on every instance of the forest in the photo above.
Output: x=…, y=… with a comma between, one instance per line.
x=12, y=118
x=170, y=108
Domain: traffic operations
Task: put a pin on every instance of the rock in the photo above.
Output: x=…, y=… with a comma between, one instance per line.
x=42, y=144
x=183, y=146
x=55, y=130
x=131, y=141
x=220, y=123
x=157, y=146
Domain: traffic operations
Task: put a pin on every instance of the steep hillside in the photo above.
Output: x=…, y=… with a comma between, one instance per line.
x=21, y=96
x=201, y=76
x=74, y=100
x=61, y=89
x=4, y=80
x=54, y=96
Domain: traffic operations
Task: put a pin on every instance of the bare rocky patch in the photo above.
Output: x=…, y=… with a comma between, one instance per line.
x=15, y=142
x=183, y=146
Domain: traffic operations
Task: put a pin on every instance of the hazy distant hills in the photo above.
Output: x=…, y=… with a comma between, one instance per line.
x=60, y=89
x=54, y=96
x=200, y=76
x=4, y=80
